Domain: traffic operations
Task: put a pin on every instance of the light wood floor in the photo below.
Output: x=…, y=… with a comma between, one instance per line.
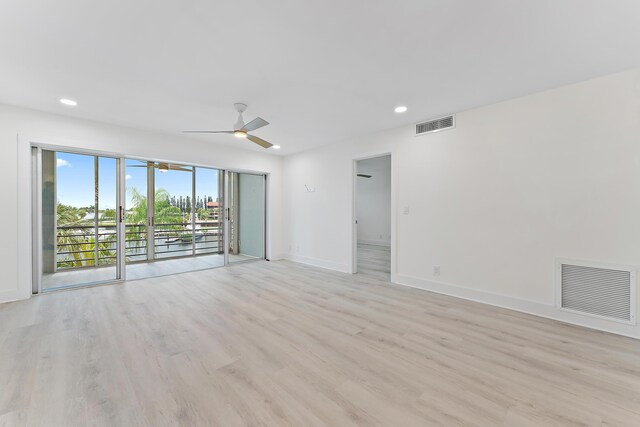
x=279, y=343
x=374, y=261
x=136, y=271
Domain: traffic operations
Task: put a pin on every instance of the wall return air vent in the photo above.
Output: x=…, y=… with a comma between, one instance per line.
x=604, y=291
x=436, y=125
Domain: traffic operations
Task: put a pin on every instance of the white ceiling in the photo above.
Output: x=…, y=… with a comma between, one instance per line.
x=318, y=70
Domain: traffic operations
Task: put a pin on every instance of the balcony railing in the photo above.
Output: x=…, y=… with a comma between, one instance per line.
x=80, y=246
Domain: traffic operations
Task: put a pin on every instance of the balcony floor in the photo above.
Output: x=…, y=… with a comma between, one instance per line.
x=142, y=270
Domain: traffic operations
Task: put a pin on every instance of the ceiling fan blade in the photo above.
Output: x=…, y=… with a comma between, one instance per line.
x=162, y=165
x=254, y=124
x=207, y=131
x=261, y=142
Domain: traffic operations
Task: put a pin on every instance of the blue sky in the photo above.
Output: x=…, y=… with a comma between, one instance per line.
x=75, y=174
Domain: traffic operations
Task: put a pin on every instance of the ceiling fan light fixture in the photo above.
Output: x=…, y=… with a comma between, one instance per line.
x=240, y=134
x=275, y=147
x=241, y=130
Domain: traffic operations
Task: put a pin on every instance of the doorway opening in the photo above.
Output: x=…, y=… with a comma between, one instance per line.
x=373, y=216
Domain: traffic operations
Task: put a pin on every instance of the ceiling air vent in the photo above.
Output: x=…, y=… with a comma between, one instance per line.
x=436, y=125
x=603, y=291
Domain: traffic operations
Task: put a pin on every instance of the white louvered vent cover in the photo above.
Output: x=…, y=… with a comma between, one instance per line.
x=597, y=291
x=436, y=125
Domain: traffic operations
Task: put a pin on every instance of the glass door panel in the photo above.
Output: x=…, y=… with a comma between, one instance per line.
x=246, y=216
x=209, y=212
x=137, y=218
x=173, y=211
x=79, y=221
x=175, y=226
x=107, y=218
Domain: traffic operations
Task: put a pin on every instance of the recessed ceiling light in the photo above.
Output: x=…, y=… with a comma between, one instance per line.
x=276, y=147
x=240, y=134
x=400, y=109
x=69, y=102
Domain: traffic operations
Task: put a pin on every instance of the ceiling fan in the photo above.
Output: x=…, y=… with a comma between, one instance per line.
x=162, y=167
x=240, y=129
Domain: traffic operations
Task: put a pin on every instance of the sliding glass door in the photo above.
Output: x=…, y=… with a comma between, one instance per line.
x=173, y=210
x=99, y=218
x=173, y=215
x=208, y=211
x=139, y=240
x=79, y=229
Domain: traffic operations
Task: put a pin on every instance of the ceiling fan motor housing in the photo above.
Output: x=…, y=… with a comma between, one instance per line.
x=240, y=108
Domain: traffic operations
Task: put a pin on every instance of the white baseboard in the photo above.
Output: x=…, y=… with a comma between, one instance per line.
x=330, y=265
x=277, y=257
x=548, y=311
x=375, y=242
x=13, y=295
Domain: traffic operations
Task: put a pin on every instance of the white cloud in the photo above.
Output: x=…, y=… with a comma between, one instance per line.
x=128, y=177
x=62, y=163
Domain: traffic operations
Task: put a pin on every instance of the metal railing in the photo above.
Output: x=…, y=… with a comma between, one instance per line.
x=85, y=246
x=180, y=239
x=80, y=246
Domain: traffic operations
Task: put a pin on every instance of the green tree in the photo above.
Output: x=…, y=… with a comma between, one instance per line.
x=69, y=215
x=166, y=212
x=203, y=214
x=109, y=215
x=75, y=237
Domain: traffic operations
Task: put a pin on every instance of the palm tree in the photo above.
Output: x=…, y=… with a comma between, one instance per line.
x=71, y=236
x=76, y=239
x=165, y=213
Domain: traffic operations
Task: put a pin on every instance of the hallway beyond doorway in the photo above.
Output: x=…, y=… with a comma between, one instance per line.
x=374, y=260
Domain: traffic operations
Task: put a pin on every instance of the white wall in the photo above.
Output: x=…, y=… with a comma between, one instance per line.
x=373, y=201
x=48, y=128
x=494, y=201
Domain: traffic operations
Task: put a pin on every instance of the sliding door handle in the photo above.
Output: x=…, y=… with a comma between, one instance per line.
x=121, y=214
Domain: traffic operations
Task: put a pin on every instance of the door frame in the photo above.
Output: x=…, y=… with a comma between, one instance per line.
x=35, y=215
x=26, y=205
x=353, y=228
x=265, y=213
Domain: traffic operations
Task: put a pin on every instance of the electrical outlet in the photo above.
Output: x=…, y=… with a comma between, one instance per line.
x=436, y=270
